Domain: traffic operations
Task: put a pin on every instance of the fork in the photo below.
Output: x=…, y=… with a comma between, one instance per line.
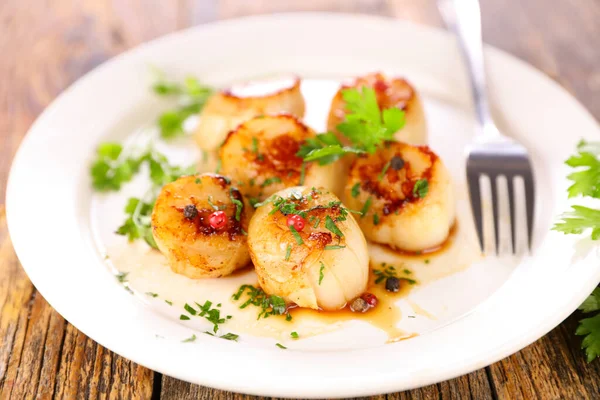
x=490, y=154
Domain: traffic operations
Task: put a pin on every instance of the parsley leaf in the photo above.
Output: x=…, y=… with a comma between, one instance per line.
x=190, y=339
x=138, y=223
x=331, y=226
x=592, y=302
x=590, y=328
x=356, y=190
x=110, y=170
x=421, y=188
x=191, y=96
x=321, y=274
x=586, y=181
x=296, y=235
x=578, y=220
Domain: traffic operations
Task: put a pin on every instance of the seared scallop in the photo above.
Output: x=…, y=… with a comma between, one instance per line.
x=227, y=109
x=307, y=248
x=260, y=157
x=199, y=223
x=405, y=193
x=390, y=92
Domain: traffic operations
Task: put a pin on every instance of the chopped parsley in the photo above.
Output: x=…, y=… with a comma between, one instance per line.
x=122, y=277
x=184, y=317
x=375, y=219
x=317, y=222
x=212, y=315
x=169, y=302
x=190, y=309
x=384, y=170
x=280, y=346
x=259, y=156
x=294, y=335
x=269, y=304
x=190, y=339
x=288, y=252
x=230, y=336
x=321, y=274
x=356, y=190
x=270, y=181
x=238, y=205
x=366, y=207
x=421, y=188
x=334, y=247
x=302, y=174
x=296, y=235
x=389, y=271
x=151, y=294
x=332, y=227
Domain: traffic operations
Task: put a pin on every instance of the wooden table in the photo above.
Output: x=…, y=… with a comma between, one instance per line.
x=46, y=45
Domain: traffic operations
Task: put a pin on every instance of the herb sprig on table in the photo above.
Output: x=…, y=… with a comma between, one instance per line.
x=580, y=219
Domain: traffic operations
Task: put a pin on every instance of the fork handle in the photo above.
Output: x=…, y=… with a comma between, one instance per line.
x=463, y=17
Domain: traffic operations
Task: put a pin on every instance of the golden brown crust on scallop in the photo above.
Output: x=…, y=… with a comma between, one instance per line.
x=398, y=214
x=260, y=156
x=193, y=247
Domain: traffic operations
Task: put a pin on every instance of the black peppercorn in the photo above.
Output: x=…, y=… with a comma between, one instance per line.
x=392, y=284
x=396, y=163
x=190, y=212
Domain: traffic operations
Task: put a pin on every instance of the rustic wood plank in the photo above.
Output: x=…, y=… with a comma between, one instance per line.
x=41, y=355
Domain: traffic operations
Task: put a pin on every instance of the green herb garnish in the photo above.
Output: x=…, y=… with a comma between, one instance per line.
x=334, y=247
x=238, y=205
x=375, y=219
x=421, y=188
x=294, y=335
x=365, y=125
x=191, y=96
x=190, y=339
x=270, y=181
x=184, y=317
x=297, y=236
x=151, y=294
x=280, y=346
x=321, y=274
x=288, y=252
x=332, y=227
x=356, y=190
x=269, y=305
x=366, y=207
x=383, y=171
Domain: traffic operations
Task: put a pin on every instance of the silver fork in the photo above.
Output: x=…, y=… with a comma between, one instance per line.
x=491, y=154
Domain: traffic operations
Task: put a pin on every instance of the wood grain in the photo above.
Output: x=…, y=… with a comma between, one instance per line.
x=48, y=44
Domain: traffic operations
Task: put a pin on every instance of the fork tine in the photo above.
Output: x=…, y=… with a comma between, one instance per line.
x=511, y=208
x=475, y=197
x=495, y=207
x=530, y=202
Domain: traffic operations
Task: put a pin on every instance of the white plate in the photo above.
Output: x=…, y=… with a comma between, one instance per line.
x=492, y=309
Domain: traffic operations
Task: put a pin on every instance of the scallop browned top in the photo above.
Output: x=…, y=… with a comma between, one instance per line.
x=390, y=92
x=315, y=234
x=197, y=222
x=395, y=187
x=263, y=150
